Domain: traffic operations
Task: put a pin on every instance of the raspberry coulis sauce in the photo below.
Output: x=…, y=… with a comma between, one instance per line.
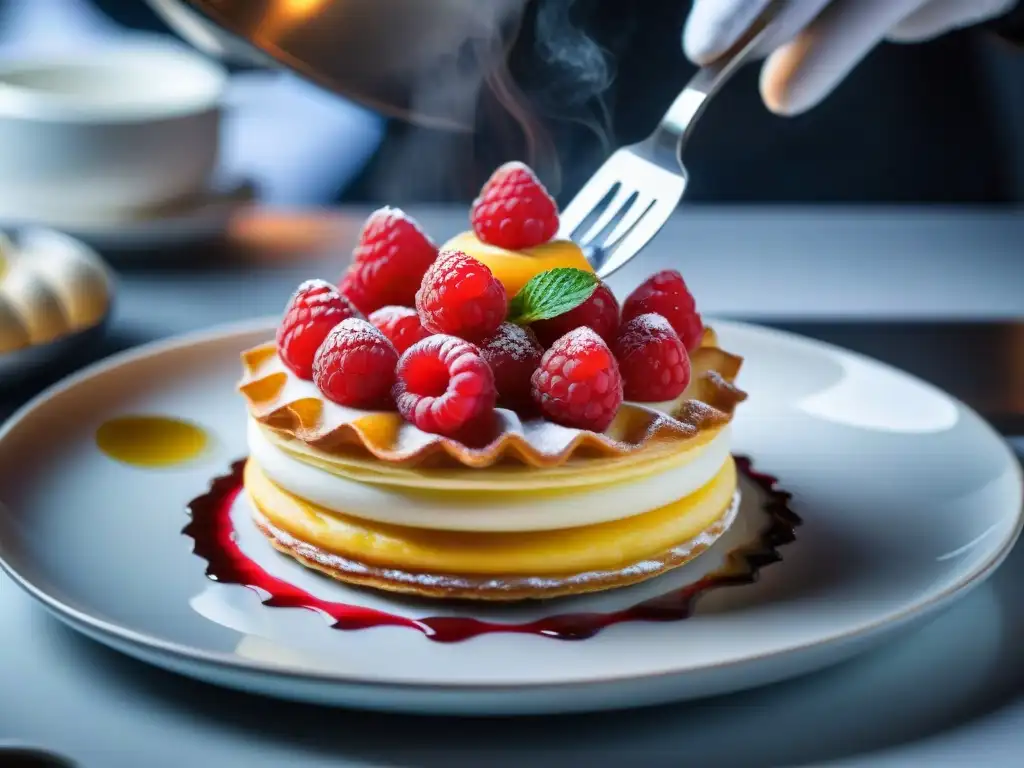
x=212, y=530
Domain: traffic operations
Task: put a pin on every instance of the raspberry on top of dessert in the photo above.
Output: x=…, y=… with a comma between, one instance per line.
x=513, y=226
x=514, y=210
x=485, y=422
x=450, y=355
x=388, y=262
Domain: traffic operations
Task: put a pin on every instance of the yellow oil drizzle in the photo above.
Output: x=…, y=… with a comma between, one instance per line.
x=151, y=441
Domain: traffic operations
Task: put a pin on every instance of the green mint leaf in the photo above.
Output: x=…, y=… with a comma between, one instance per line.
x=552, y=293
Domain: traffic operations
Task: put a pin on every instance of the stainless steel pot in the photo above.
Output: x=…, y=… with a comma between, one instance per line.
x=423, y=60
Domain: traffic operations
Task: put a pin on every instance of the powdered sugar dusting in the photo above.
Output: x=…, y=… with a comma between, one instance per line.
x=445, y=268
x=514, y=341
x=520, y=166
x=651, y=322
x=313, y=284
x=386, y=215
x=392, y=312
x=316, y=292
x=579, y=341
x=354, y=330
x=481, y=584
x=635, y=335
x=279, y=399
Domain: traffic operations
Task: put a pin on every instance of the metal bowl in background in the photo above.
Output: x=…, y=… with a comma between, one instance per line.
x=14, y=755
x=422, y=60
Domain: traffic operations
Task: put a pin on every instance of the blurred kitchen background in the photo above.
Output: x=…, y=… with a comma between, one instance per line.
x=886, y=219
x=940, y=122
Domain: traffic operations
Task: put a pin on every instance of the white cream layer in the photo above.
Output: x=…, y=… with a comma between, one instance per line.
x=481, y=512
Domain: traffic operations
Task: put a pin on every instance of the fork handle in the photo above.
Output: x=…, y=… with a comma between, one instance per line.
x=677, y=124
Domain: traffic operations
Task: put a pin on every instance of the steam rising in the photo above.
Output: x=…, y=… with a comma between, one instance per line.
x=581, y=70
x=570, y=75
x=511, y=114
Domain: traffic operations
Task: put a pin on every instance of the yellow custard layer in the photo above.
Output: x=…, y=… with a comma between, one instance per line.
x=515, y=268
x=604, y=546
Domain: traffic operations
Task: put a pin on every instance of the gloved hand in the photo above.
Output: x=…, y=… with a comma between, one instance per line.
x=817, y=42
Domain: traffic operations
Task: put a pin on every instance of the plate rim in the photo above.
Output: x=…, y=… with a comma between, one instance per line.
x=148, y=644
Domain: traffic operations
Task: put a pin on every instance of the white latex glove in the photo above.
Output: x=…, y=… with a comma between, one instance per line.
x=818, y=42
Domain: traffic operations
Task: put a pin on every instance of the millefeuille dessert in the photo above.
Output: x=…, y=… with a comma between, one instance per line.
x=483, y=422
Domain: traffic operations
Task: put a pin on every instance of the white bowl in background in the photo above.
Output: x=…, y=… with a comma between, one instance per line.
x=133, y=126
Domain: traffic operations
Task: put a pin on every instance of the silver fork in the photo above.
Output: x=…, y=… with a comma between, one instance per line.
x=632, y=195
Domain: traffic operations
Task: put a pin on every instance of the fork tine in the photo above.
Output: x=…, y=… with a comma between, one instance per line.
x=619, y=206
x=643, y=230
x=587, y=199
x=653, y=167
x=629, y=220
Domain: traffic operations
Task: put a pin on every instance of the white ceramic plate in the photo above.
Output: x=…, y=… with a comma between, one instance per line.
x=908, y=500
x=204, y=217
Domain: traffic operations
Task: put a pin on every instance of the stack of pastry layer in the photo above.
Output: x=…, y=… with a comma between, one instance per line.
x=533, y=510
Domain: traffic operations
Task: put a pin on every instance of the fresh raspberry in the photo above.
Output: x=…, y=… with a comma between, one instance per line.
x=652, y=359
x=355, y=365
x=514, y=210
x=600, y=313
x=443, y=384
x=665, y=294
x=578, y=382
x=357, y=286
x=313, y=310
x=513, y=354
x=388, y=262
x=401, y=325
x=461, y=297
